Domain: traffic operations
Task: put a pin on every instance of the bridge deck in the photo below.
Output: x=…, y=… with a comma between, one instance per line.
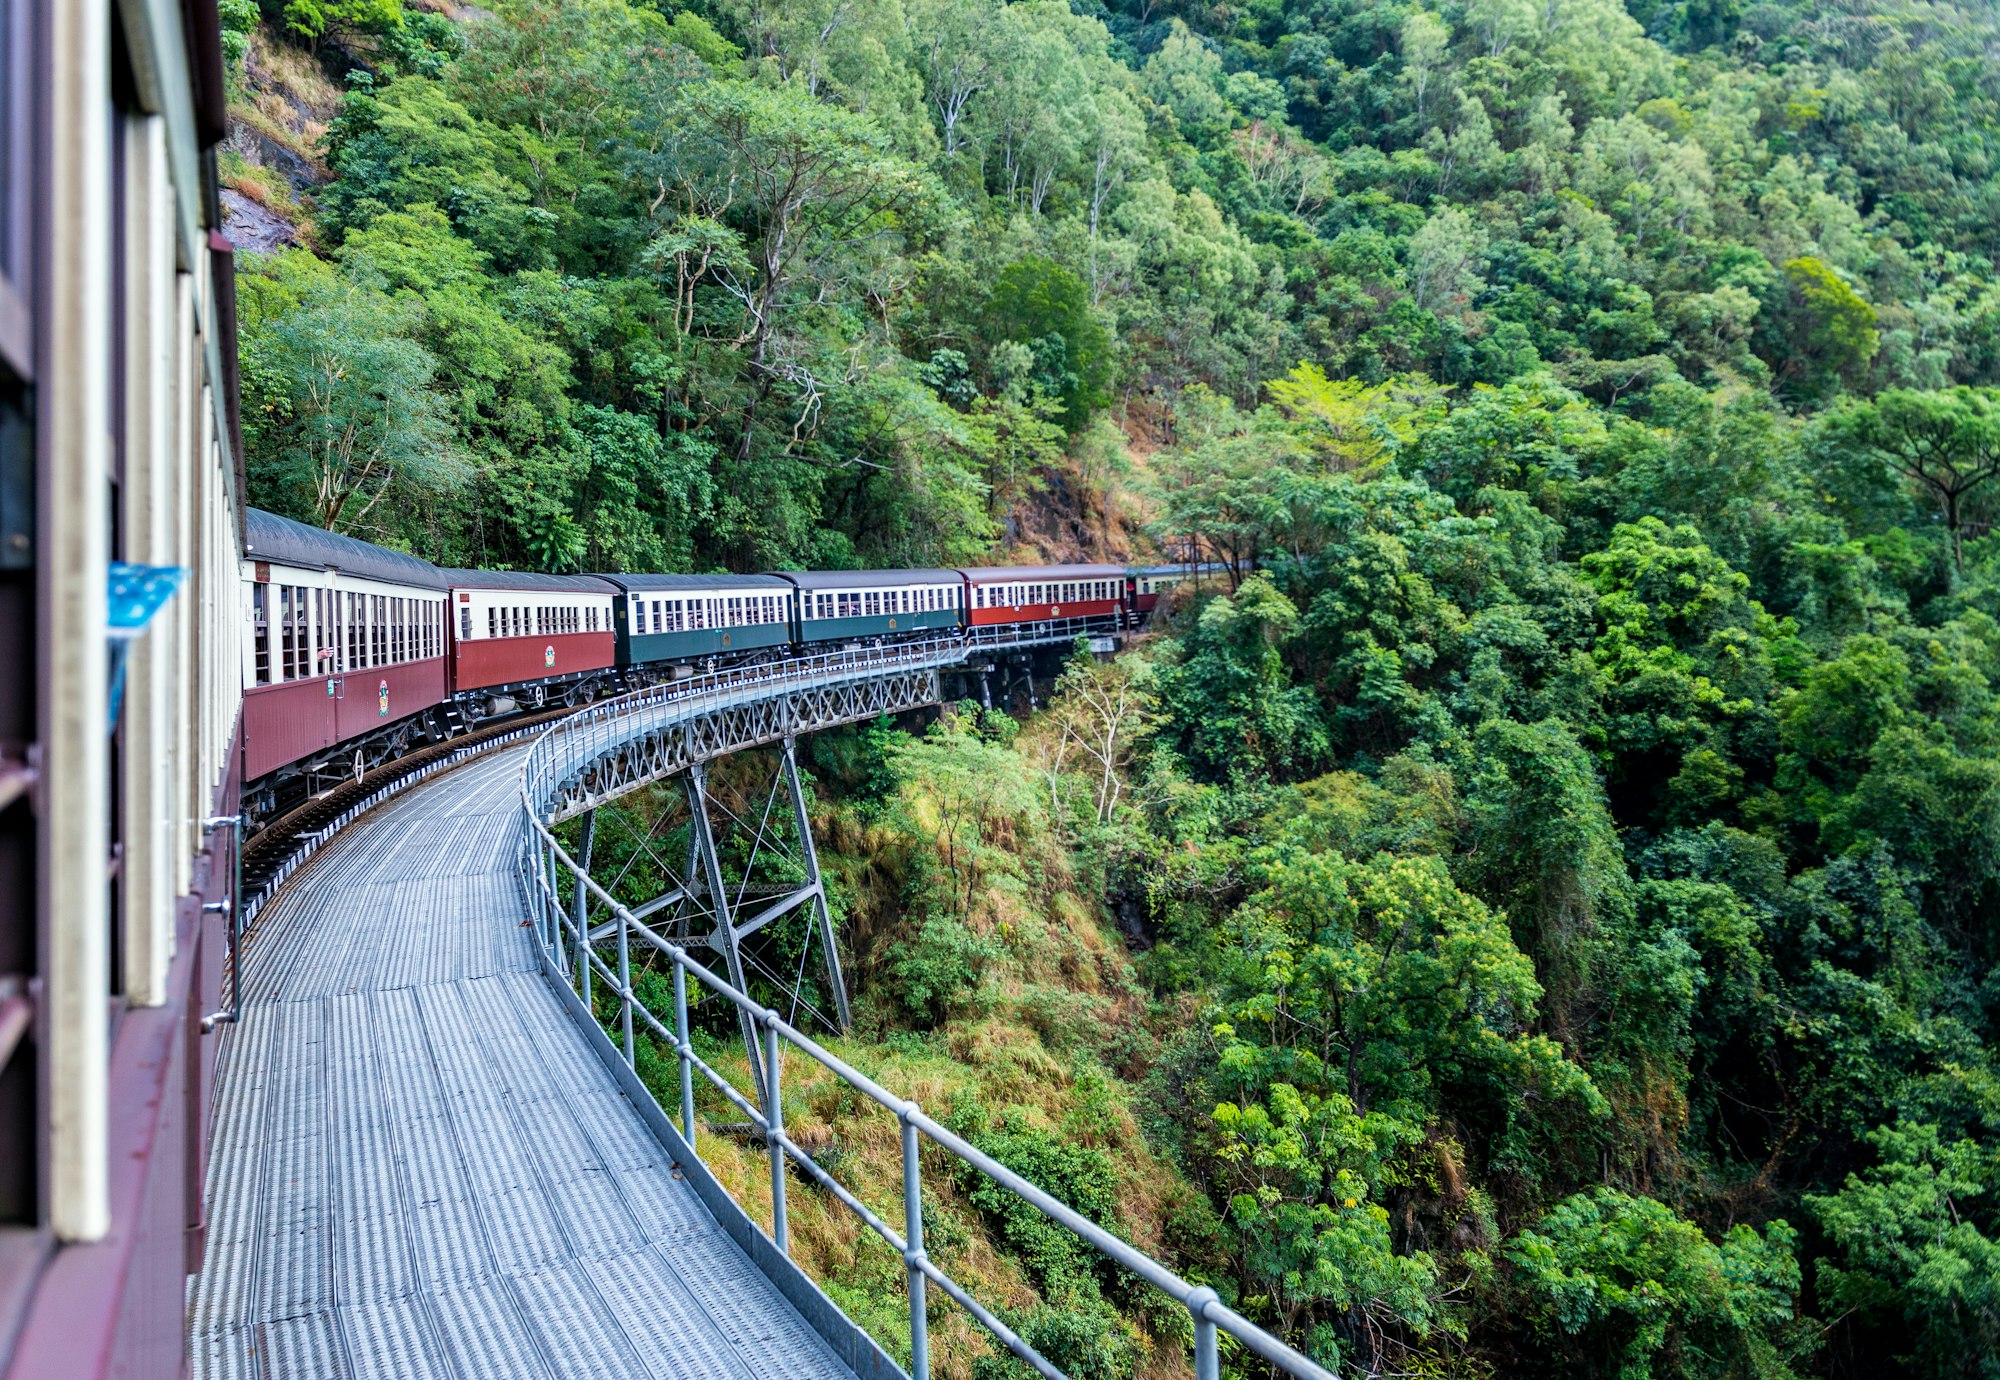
x=420, y=1167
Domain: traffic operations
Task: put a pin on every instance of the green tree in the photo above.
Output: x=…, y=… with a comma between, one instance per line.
x=341, y=409
x=1917, y=1249
x=1035, y=300
x=1621, y=1282
x=1944, y=444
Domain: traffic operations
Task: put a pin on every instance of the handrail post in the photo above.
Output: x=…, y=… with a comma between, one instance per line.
x=583, y=908
x=774, y=1132
x=913, y=1236
x=686, y=1049
x=625, y=986
x=1207, y=1353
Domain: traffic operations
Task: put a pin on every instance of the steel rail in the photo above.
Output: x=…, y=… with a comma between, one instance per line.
x=569, y=748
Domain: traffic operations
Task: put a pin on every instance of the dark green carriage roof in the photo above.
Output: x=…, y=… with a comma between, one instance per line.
x=527, y=580
x=869, y=579
x=650, y=584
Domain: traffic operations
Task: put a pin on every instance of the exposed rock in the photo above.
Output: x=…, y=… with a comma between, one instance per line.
x=260, y=149
x=253, y=228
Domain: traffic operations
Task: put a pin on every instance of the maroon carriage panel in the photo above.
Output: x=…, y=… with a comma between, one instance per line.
x=485, y=661
x=369, y=699
x=285, y=722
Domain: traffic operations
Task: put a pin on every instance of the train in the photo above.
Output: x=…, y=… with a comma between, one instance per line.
x=354, y=654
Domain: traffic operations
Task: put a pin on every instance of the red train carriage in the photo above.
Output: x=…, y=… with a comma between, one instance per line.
x=345, y=640
x=1042, y=593
x=524, y=639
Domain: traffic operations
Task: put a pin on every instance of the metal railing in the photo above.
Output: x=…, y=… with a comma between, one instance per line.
x=548, y=871
x=592, y=734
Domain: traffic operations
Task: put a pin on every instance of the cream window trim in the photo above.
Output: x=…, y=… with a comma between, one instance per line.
x=73, y=553
x=149, y=750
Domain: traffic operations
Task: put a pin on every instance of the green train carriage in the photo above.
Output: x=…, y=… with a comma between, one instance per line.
x=870, y=605
x=695, y=619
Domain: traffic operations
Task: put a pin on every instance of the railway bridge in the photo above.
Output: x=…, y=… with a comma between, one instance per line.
x=385, y=1118
x=433, y=1153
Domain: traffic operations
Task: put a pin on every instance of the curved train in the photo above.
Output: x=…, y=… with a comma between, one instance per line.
x=354, y=654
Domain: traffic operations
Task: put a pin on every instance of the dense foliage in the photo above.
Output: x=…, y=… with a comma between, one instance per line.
x=1564, y=836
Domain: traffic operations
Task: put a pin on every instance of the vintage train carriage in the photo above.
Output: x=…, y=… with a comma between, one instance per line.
x=844, y=605
x=518, y=637
x=345, y=638
x=678, y=620
x=1147, y=584
x=1043, y=593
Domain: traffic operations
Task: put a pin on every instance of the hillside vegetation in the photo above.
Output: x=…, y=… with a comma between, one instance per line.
x=1537, y=911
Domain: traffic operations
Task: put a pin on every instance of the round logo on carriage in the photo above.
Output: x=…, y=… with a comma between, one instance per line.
x=1055, y=610
x=382, y=698
x=549, y=655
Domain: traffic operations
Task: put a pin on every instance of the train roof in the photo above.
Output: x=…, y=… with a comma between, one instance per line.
x=527, y=580
x=1044, y=572
x=281, y=541
x=869, y=579
x=1180, y=568
x=646, y=584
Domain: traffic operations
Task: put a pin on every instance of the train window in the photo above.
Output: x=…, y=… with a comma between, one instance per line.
x=260, y=636
x=295, y=618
